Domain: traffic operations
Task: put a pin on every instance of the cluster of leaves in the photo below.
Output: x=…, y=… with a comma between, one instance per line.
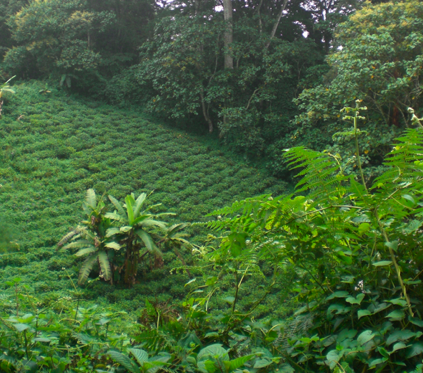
x=349, y=254
x=61, y=337
x=79, y=42
x=378, y=59
x=355, y=250
x=246, y=103
x=114, y=240
x=66, y=337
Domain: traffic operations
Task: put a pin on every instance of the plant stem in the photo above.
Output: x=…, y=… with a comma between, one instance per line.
x=397, y=268
x=357, y=150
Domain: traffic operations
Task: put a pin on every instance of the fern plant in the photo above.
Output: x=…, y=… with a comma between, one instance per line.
x=356, y=253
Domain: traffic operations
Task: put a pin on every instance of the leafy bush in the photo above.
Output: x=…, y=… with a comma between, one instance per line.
x=379, y=60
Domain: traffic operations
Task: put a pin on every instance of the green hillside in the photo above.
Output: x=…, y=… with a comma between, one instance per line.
x=54, y=147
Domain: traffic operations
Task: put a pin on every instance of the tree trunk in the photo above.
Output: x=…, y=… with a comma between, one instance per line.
x=205, y=112
x=227, y=14
x=275, y=26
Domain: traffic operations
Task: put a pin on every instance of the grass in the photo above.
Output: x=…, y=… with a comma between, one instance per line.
x=55, y=146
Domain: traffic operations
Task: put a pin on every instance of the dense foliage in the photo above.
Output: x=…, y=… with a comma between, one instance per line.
x=146, y=278
x=55, y=147
x=379, y=60
x=349, y=254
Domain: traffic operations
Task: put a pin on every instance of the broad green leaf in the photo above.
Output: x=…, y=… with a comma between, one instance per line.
x=356, y=300
x=86, y=268
x=214, y=350
x=286, y=368
x=413, y=226
x=140, y=355
x=262, y=363
x=118, y=206
x=346, y=334
x=148, y=241
x=208, y=366
x=232, y=365
x=115, y=216
x=365, y=337
x=42, y=339
x=377, y=361
x=112, y=231
x=409, y=198
x=398, y=302
x=338, y=294
x=130, y=209
x=158, y=362
x=78, y=244
x=362, y=313
x=382, y=263
x=21, y=327
x=91, y=199
x=86, y=251
x=124, y=360
x=398, y=346
x=154, y=223
x=140, y=219
x=113, y=245
x=399, y=335
x=392, y=245
x=139, y=203
x=414, y=350
x=333, y=358
x=229, y=299
x=416, y=321
x=383, y=352
x=363, y=228
x=396, y=315
x=103, y=260
x=189, y=339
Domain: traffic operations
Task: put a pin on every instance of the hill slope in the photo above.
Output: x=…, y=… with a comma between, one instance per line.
x=54, y=147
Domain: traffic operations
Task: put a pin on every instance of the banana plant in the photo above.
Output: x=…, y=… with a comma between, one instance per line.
x=173, y=236
x=91, y=239
x=174, y=239
x=136, y=231
x=5, y=90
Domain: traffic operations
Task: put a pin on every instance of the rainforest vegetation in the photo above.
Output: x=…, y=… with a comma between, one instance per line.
x=211, y=186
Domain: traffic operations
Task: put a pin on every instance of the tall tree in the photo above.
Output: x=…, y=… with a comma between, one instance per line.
x=228, y=37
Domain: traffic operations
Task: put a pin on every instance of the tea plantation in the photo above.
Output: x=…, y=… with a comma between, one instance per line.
x=54, y=147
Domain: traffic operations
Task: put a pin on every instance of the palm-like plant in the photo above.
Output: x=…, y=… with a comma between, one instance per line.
x=5, y=90
x=115, y=240
x=135, y=231
x=91, y=240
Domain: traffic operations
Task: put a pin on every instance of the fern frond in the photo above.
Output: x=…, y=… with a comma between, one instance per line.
x=405, y=161
x=321, y=175
x=403, y=179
